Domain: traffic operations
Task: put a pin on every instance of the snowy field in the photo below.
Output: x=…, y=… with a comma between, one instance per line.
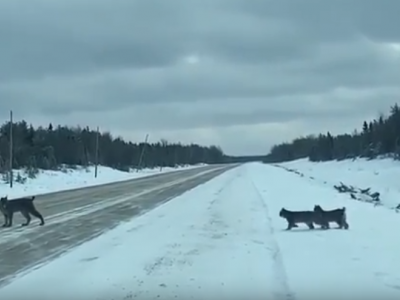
x=67, y=179
x=381, y=175
x=224, y=239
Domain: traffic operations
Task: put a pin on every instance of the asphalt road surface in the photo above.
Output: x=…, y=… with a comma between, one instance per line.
x=76, y=216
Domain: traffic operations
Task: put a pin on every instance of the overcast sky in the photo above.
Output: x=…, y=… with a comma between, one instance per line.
x=243, y=74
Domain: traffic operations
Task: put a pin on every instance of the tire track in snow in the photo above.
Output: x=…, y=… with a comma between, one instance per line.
x=284, y=291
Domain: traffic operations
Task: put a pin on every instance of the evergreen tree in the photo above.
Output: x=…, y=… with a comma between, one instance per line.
x=376, y=137
x=53, y=146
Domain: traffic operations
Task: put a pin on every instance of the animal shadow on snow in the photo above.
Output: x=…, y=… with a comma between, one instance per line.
x=305, y=229
x=299, y=230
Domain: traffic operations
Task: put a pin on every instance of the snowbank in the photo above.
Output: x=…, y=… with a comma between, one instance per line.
x=381, y=175
x=52, y=181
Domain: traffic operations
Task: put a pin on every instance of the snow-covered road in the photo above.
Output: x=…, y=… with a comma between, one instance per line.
x=224, y=239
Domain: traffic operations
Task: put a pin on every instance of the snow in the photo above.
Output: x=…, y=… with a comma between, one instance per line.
x=225, y=239
x=68, y=178
x=381, y=175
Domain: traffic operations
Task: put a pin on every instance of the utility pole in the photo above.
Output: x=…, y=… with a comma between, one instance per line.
x=11, y=150
x=96, y=153
x=142, y=153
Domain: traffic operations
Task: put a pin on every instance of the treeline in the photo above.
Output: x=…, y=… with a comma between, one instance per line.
x=374, y=138
x=51, y=147
x=244, y=159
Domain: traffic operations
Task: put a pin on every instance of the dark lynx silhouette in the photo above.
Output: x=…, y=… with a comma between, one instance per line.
x=336, y=215
x=306, y=217
x=23, y=205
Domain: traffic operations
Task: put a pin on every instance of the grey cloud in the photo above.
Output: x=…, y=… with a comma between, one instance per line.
x=206, y=83
x=340, y=105
x=120, y=64
x=334, y=20
x=65, y=37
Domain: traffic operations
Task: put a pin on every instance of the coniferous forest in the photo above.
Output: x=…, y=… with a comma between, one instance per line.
x=51, y=147
x=373, y=138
